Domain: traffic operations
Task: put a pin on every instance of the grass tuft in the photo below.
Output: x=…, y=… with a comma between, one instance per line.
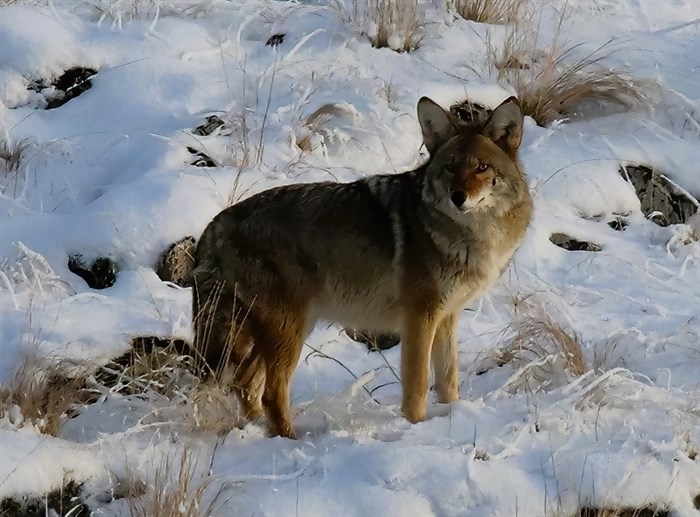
x=43, y=395
x=557, y=82
x=179, y=488
x=394, y=24
x=488, y=11
x=12, y=154
x=546, y=354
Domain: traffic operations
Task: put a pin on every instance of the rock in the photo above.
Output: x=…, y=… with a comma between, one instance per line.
x=275, y=40
x=176, y=263
x=102, y=273
x=65, y=87
x=212, y=124
x=202, y=160
x=618, y=224
x=374, y=340
x=572, y=244
x=662, y=201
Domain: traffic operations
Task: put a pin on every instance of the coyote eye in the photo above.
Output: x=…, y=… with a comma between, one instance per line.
x=483, y=167
x=451, y=168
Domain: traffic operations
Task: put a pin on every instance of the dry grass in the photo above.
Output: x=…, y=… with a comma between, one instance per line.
x=43, y=395
x=394, y=24
x=154, y=365
x=556, y=82
x=179, y=488
x=546, y=354
x=161, y=367
x=12, y=154
x=242, y=152
x=645, y=511
x=488, y=11
x=317, y=129
x=214, y=408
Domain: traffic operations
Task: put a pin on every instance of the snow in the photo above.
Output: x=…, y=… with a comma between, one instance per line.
x=108, y=174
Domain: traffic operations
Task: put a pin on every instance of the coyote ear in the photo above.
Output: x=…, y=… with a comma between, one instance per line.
x=436, y=124
x=505, y=126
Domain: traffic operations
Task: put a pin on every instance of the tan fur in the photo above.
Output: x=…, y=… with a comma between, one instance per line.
x=402, y=253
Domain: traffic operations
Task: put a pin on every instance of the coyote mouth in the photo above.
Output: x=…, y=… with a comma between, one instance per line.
x=464, y=208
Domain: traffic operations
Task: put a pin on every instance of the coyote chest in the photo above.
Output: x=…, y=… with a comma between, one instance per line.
x=477, y=266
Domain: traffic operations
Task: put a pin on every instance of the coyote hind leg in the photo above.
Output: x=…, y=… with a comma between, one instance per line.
x=279, y=340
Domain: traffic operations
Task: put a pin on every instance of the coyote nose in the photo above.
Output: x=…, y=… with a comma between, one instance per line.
x=458, y=198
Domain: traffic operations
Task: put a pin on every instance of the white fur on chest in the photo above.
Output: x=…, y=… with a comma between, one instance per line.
x=474, y=281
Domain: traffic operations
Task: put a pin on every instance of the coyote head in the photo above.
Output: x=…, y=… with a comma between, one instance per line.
x=472, y=167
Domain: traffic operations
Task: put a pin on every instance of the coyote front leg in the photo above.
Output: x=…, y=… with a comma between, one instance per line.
x=417, y=339
x=445, y=358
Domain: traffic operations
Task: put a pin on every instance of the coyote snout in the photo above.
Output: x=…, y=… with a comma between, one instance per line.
x=431, y=240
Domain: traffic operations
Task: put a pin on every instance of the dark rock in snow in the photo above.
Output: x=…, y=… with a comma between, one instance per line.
x=102, y=273
x=618, y=224
x=572, y=244
x=65, y=87
x=203, y=160
x=212, y=124
x=662, y=201
x=176, y=263
x=374, y=341
x=275, y=40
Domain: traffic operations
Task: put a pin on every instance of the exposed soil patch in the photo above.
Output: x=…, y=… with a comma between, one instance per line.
x=662, y=201
x=65, y=87
x=572, y=244
x=102, y=273
x=65, y=500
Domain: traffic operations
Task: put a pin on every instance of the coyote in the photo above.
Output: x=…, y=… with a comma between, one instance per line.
x=396, y=252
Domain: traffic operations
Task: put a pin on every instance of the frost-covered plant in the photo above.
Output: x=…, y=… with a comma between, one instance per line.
x=43, y=395
x=488, y=11
x=322, y=126
x=178, y=487
x=120, y=11
x=394, y=24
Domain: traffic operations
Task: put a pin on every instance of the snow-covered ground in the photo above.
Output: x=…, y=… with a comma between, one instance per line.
x=108, y=174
